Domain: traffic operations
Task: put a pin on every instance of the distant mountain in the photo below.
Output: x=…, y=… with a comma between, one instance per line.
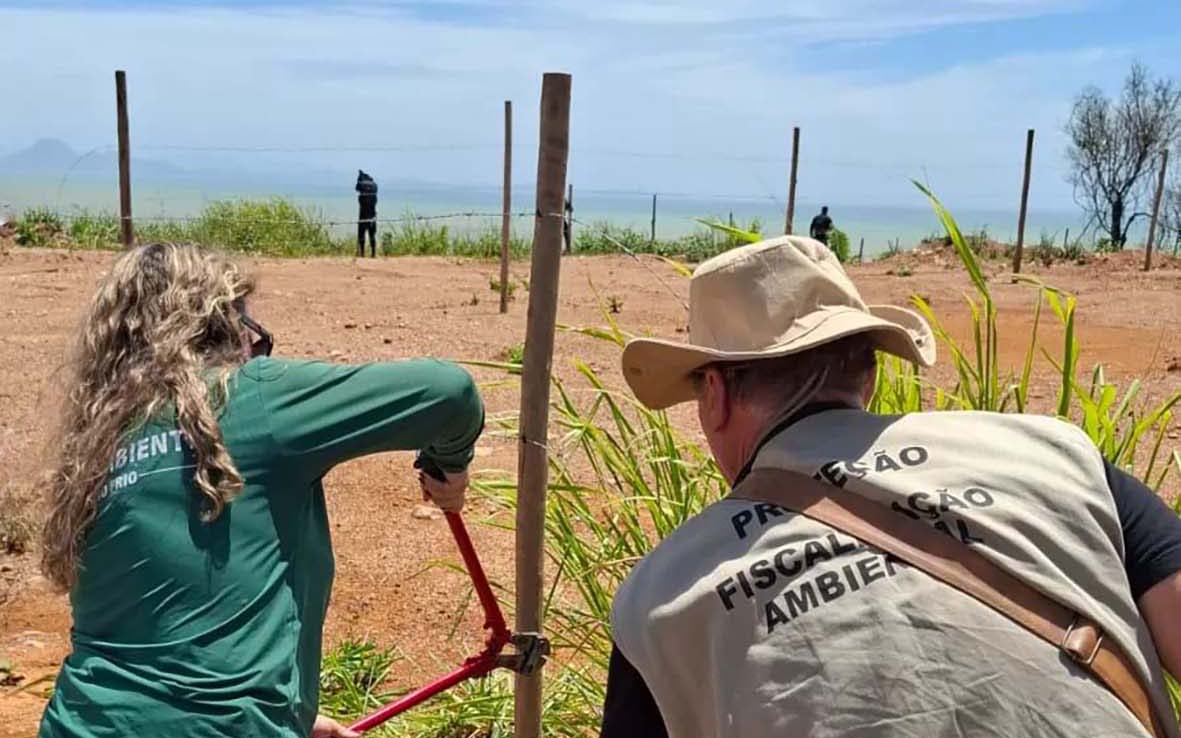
x=52, y=157
x=46, y=154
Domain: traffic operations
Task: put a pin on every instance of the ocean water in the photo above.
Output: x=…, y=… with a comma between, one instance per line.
x=676, y=215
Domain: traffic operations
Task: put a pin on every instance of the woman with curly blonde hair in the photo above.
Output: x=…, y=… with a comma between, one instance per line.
x=187, y=516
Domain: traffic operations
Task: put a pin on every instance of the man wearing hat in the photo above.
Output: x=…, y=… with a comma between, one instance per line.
x=1039, y=595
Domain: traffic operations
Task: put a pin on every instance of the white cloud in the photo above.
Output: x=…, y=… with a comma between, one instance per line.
x=815, y=20
x=642, y=84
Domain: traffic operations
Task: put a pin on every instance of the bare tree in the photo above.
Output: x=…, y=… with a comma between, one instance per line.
x=1113, y=145
x=1171, y=218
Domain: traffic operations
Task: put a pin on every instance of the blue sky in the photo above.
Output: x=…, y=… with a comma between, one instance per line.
x=679, y=96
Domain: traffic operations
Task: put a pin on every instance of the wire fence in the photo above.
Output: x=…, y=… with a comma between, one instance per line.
x=161, y=196
x=908, y=166
x=901, y=170
x=680, y=298
x=409, y=218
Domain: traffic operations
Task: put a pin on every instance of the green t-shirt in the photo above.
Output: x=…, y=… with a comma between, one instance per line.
x=188, y=629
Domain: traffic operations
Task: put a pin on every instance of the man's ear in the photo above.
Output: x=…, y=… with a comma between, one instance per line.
x=715, y=400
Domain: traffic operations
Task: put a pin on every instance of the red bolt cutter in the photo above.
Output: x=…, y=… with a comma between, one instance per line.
x=532, y=648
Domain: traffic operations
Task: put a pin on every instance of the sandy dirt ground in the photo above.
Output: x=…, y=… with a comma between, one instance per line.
x=352, y=311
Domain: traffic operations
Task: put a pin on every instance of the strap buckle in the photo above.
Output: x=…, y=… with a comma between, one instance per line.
x=532, y=650
x=1074, y=650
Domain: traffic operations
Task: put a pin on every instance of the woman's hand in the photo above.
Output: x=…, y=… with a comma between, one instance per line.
x=449, y=494
x=326, y=727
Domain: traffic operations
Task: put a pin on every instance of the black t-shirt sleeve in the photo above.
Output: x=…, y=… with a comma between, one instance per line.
x=630, y=711
x=1152, y=532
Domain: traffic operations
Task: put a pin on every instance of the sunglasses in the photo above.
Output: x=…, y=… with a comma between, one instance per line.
x=265, y=342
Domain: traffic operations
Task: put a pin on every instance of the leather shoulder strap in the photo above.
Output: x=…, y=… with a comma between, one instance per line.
x=957, y=565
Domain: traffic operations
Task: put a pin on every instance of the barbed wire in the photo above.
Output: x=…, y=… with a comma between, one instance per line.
x=298, y=221
x=694, y=155
x=624, y=248
x=607, y=192
x=902, y=170
x=273, y=149
x=805, y=159
x=599, y=227
x=997, y=199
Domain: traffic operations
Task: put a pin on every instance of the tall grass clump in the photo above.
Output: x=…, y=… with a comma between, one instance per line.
x=484, y=243
x=838, y=242
x=171, y=231
x=415, y=236
x=1130, y=433
x=280, y=227
x=622, y=477
x=38, y=227
x=351, y=677
x=82, y=230
x=603, y=237
x=90, y=230
x=275, y=227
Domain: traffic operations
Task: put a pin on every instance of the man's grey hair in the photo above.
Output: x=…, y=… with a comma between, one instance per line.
x=845, y=366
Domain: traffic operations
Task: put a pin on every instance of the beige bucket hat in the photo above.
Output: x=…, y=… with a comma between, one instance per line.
x=773, y=298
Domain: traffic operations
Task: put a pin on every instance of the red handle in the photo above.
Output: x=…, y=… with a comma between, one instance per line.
x=476, y=666
x=493, y=618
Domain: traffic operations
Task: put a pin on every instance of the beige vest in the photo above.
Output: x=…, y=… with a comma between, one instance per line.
x=752, y=621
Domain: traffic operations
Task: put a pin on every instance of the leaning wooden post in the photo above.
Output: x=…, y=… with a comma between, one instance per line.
x=861, y=251
x=791, y=182
x=1160, y=190
x=1024, y=203
x=506, y=216
x=124, y=159
x=532, y=464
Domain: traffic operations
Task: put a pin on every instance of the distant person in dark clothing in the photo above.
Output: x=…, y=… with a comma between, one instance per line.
x=367, y=217
x=821, y=225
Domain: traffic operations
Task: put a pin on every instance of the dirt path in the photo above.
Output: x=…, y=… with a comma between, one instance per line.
x=372, y=310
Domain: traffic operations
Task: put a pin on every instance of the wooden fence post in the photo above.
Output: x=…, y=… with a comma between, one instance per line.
x=125, y=225
x=1017, y=254
x=653, y=217
x=1156, y=210
x=532, y=464
x=861, y=251
x=791, y=182
x=569, y=211
x=506, y=215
